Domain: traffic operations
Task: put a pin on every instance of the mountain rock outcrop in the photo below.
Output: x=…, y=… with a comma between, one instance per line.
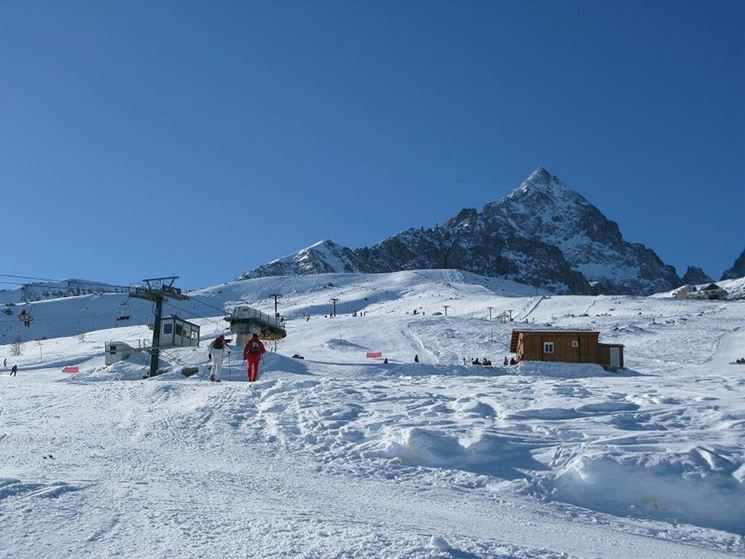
x=320, y=258
x=543, y=234
x=696, y=276
x=737, y=270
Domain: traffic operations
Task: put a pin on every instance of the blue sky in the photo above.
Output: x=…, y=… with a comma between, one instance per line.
x=140, y=139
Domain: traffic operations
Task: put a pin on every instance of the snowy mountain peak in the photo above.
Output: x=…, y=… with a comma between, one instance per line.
x=321, y=257
x=540, y=175
x=321, y=245
x=542, y=189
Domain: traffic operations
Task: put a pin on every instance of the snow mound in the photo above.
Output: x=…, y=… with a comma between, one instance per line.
x=343, y=345
x=487, y=454
x=425, y=370
x=565, y=370
x=134, y=368
x=631, y=329
x=697, y=488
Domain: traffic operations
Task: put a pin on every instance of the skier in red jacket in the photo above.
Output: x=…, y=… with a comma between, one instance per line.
x=252, y=353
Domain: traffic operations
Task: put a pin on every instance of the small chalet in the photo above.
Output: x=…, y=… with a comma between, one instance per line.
x=713, y=291
x=569, y=346
x=177, y=332
x=117, y=351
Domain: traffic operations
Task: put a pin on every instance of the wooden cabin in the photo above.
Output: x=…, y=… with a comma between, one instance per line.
x=567, y=346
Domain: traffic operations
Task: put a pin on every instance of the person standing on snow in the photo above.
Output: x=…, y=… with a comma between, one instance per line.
x=14, y=371
x=252, y=354
x=218, y=348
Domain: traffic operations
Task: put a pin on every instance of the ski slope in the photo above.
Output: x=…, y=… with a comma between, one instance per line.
x=337, y=455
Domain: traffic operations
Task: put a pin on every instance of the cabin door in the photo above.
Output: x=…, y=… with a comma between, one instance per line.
x=615, y=357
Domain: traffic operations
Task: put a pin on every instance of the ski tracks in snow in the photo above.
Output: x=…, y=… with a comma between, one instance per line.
x=419, y=346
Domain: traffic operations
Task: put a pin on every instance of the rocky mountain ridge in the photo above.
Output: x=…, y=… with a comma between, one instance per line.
x=543, y=234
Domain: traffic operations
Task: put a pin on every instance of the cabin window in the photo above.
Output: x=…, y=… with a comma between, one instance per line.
x=548, y=347
x=179, y=330
x=575, y=343
x=168, y=328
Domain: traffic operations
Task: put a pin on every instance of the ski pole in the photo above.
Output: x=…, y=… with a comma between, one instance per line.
x=204, y=372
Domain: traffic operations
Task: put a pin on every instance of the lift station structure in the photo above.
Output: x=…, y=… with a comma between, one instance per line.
x=246, y=321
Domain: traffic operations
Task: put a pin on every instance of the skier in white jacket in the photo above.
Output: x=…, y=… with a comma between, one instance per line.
x=218, y=348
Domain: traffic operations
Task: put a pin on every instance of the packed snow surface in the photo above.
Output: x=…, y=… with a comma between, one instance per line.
x=338, y=455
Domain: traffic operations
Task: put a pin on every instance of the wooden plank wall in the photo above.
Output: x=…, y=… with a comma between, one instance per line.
x=532, y=346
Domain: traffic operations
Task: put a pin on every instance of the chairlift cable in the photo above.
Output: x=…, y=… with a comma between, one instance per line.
x=212, y=320
x=222, y=310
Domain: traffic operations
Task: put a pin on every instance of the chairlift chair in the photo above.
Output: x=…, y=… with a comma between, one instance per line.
x=124, y=312
x=25, y=317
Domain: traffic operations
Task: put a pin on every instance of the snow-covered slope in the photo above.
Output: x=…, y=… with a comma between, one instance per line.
x=543, y=234
x=302, y=295
x=39, y=291
x=339, y=455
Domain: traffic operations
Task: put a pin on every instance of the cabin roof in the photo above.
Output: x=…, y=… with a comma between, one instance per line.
x=556, y=331
x=711, y=287
x=177, y=318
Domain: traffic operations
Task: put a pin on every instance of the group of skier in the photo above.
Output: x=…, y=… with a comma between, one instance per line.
x=253, y=351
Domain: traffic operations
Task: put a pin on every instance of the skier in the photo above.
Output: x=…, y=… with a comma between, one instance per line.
x=416, y=358
x=252, y=354
x=218, y=348
x=14, y=371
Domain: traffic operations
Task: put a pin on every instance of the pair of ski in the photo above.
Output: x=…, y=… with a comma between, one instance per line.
x=211, y=378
